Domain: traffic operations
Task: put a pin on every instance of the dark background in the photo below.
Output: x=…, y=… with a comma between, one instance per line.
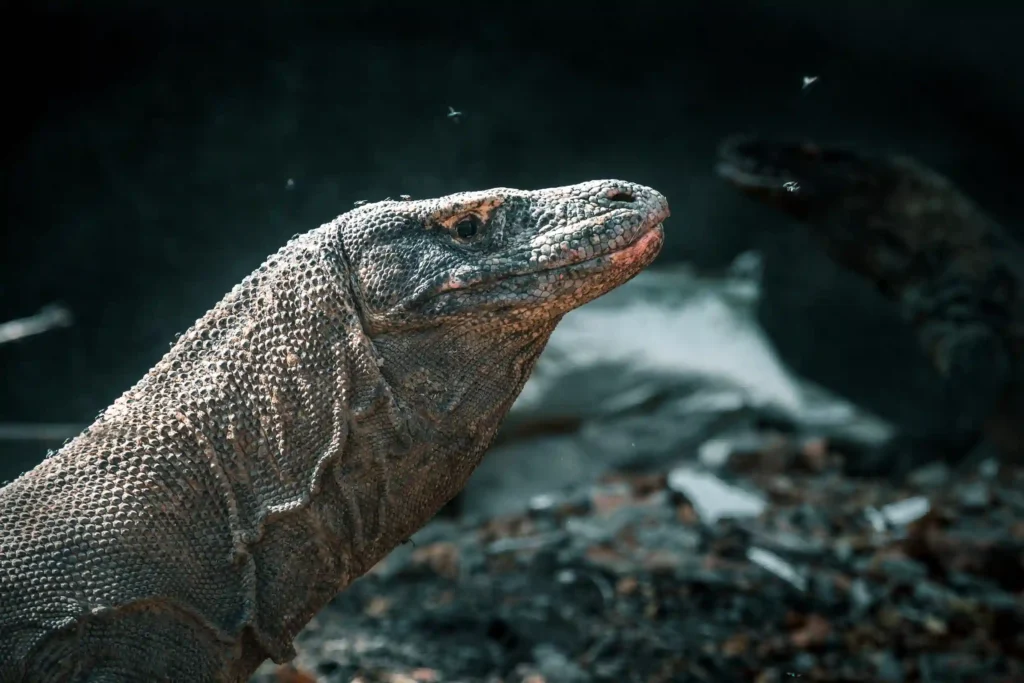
x=149, y=146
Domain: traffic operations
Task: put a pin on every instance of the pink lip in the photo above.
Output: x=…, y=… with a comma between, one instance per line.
x=633, y=252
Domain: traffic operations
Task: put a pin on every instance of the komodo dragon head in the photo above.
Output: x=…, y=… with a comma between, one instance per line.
x=498, y=257
x=888, y=218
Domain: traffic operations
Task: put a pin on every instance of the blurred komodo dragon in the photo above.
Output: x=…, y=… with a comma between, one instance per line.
x=956, y=275
x=314, y=419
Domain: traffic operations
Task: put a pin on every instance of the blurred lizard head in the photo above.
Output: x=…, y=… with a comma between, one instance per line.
x=885, y=217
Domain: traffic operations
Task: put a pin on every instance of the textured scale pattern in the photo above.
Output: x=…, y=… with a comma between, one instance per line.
x=315, y=418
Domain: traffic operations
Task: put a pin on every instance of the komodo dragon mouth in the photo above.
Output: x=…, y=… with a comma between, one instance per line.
x=629, y=248
x=634, y=248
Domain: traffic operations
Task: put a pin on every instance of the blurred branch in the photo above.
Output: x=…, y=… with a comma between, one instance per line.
x=48, y=318
x=21, y=431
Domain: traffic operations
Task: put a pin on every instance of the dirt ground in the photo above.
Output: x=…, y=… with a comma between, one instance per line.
x=776, y=568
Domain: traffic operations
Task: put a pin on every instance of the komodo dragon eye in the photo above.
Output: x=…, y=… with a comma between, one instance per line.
x=468, y=227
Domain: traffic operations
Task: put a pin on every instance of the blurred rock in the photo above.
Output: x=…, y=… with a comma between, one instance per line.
x=666, y=577
x=669, y=366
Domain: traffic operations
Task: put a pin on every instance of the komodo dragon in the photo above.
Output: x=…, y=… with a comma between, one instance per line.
x=956, y=275
x=310, y=422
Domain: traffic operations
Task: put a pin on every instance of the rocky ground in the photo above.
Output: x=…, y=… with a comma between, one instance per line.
x=771, y=567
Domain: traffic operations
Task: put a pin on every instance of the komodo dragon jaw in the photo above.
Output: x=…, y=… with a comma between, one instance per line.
x=321, y=413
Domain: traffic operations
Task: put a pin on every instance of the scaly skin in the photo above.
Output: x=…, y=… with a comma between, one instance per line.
x=957, y=276
x=315, y=418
